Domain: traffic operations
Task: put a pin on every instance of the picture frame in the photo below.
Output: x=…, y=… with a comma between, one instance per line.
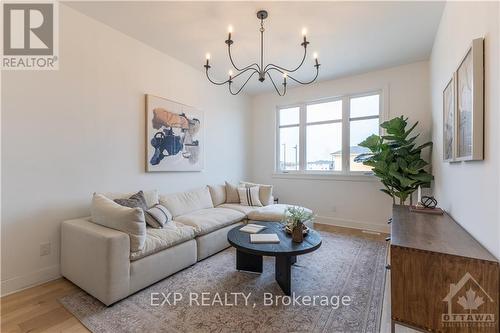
x=449, y=121
x=174, y=136
x=469, y=87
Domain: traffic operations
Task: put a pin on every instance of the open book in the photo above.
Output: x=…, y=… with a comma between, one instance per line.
x=264, y=238
x=252, y=228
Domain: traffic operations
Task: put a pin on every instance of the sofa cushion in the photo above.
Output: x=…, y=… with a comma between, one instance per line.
x=265, y=192
x=240, y=208
x=187, y=202
x=150, y=196
x=218, y=194
x=206, y=220
x=160, y=239
x=232, y=193
x=273, y=213
x=108, y=213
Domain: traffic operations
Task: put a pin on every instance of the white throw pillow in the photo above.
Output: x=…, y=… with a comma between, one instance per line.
x=218, y=194
x=249, y=196
x=108, y=213
x=232, y=193
x=265, y=192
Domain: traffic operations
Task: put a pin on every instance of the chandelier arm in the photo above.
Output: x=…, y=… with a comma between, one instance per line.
x=296, y=80
x=232, y=78
x=275, y=87
x=271, y=65
x=236, y=67
x=212, y=81
x=243, y=85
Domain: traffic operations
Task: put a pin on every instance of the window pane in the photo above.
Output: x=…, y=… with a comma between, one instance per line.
x=324, y=111
x=324, y=147
x=289, y=116
x=365, y=106
x=360, y=130
x=289, y=148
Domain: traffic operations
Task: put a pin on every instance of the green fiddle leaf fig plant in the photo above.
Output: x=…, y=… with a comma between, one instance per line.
x=395, y=158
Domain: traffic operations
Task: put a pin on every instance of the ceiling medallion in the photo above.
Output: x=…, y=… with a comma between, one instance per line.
x=260, y=69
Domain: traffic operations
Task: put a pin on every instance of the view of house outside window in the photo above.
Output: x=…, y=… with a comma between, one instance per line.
x=323, y=145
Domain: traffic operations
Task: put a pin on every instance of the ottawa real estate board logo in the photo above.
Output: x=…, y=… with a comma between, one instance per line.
x=466, y=302
x=30, y=35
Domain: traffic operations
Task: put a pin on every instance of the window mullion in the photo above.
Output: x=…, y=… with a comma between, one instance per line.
x=345, y=135
x=302, y=138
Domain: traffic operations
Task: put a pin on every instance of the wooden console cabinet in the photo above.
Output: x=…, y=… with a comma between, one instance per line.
x=442, y=279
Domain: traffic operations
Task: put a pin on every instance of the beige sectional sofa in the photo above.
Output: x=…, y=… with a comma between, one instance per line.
x=98, y=259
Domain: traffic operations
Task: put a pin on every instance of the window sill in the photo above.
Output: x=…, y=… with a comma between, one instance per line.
x=354, y=177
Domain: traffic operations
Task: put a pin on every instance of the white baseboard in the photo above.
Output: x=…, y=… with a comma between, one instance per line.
x=352, y=224
x=19, y=283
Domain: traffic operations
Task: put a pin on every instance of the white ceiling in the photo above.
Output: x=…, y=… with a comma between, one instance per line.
x=350, y=37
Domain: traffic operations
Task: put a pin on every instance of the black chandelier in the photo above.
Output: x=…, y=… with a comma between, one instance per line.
x=262, y=71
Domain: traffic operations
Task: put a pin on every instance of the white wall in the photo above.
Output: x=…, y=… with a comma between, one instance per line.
x=68, y=133
x=469, y=191
x=357, y=204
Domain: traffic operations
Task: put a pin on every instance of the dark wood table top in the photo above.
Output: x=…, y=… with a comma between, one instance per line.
x=241, y=241
x=434, y=233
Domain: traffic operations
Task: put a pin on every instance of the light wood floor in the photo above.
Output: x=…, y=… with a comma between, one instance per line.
x=37, y=309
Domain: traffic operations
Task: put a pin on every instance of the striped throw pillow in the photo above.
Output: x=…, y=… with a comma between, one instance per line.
x=249, y=196
x=157, y=216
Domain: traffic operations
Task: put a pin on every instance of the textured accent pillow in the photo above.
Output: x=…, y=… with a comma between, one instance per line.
x=218, y=194
x=139, y=200
x=249, y=196
x=232, y=195
x=108, y=213
x=151, y=196
x=136, y=200
x=157, y=216
x=265, y=192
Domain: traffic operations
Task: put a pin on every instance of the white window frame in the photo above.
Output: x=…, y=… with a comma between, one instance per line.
x=345, y=173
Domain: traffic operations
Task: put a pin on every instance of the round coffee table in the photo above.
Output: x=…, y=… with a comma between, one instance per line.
x=249, y=255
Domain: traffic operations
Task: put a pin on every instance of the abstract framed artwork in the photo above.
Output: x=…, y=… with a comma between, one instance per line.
x=174, y=136
x=470, y=104
x=449, y=121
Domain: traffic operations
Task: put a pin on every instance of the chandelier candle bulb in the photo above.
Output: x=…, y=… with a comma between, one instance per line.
x=230, y=31
x=315, y=56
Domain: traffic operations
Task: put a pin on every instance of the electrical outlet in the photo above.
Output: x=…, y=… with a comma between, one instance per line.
x=44, y=249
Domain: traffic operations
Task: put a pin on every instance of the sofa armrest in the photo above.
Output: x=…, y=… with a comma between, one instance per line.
x=96, y=258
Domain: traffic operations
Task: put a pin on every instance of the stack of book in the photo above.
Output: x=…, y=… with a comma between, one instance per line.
x=254, y=229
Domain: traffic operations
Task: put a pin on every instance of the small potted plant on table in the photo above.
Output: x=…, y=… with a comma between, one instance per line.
x=294, y=220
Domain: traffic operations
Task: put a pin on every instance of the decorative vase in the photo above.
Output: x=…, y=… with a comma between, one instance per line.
x=298, y=233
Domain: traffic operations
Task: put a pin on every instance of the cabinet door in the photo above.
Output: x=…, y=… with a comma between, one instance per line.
x=423, y=282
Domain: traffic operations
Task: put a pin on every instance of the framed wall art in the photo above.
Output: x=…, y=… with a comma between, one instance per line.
x=449, y=121
x=470, y=104
x=174, y=136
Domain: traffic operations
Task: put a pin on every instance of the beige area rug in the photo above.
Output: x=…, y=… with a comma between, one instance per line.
x=342, y=266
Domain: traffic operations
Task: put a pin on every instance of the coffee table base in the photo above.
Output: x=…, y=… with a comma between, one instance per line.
x=282, y=270
x=248, y=262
